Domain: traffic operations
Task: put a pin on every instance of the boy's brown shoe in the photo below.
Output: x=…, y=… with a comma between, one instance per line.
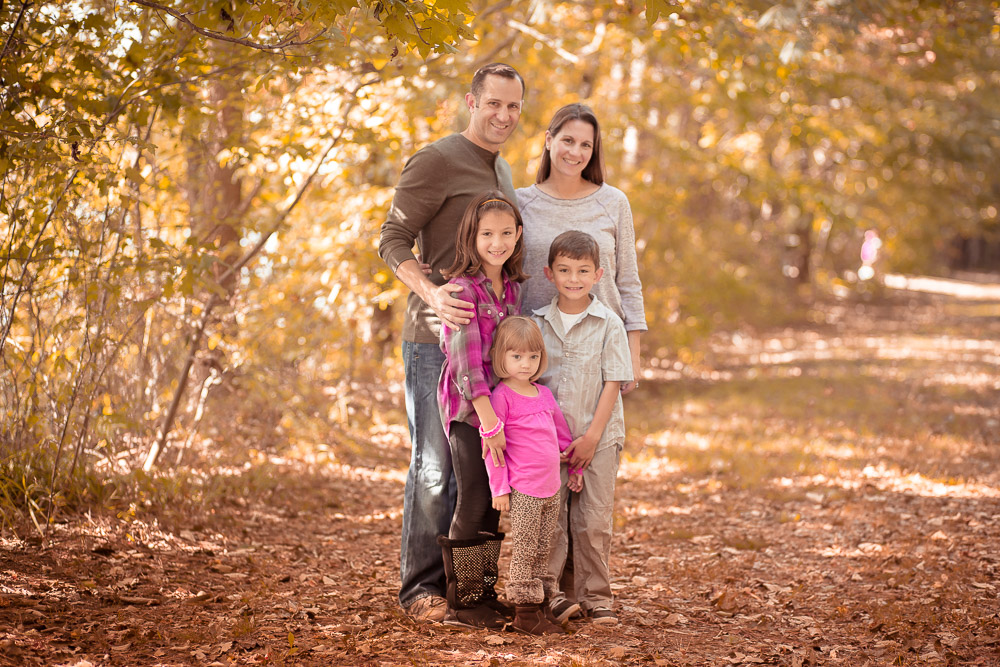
x=602, y=616
x=563, y=610
x=429, y=609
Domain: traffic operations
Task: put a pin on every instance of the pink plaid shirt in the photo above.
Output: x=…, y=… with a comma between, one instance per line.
x=468, y=372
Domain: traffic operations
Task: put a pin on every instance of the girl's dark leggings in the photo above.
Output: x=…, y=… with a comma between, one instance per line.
x=474, y=511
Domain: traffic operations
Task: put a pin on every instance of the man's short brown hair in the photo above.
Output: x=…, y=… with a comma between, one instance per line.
x=494, y=69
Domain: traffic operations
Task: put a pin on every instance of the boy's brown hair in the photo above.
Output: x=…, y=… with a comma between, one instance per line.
x=518, y=333
x=575, y=245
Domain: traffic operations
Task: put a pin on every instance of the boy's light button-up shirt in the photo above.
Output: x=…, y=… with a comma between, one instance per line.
x=594, y=351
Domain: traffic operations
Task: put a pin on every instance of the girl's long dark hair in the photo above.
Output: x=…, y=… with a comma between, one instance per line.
x=467, y=261
x=594, y=171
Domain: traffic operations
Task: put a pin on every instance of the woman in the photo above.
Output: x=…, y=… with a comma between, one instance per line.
x=570, y=193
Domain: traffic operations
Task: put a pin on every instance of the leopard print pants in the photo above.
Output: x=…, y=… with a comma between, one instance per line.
x=532, y=523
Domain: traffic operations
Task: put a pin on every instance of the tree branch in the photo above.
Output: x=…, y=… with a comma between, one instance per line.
x=416, y=27
x=575, y=58
x=531, y=32
x=298, y=197
x=21, y=289
x=168, y=421
x=20, y=16
x=222, y=37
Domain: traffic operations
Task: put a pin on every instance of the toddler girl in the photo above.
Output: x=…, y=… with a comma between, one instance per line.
x=487, y=266
x=528, y=486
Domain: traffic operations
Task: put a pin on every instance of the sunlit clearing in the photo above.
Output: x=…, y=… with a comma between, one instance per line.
x=890, y=479
x=346, y=471
x=957, y=288
x=886, y=479
x=649, y=468
x=647, y=510
x=373, y=517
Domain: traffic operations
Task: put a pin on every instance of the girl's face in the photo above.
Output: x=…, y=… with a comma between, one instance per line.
x=521, y=364
x=496, y=239
x=571, y=148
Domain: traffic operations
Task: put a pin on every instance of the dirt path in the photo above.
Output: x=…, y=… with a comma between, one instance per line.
x=823, y=495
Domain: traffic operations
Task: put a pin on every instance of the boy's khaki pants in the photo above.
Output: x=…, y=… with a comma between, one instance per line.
x=589, y=515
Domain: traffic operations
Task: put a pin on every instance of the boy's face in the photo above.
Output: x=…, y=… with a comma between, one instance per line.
x=573, y=278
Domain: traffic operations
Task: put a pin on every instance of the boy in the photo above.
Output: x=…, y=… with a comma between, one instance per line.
x=588, y=361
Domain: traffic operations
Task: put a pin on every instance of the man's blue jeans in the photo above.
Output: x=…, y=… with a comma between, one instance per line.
x=429, y=499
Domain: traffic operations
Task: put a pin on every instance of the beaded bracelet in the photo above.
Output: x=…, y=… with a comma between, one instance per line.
x=493, y=431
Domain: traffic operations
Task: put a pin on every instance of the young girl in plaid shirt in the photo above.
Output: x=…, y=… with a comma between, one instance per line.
x=488, y=255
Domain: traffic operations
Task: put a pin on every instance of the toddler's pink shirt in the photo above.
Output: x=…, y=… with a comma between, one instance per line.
x=536, y=432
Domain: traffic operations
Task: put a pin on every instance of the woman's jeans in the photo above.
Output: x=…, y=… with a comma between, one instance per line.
x=429, y=500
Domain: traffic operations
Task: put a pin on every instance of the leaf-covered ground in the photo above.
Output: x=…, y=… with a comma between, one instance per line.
x=822, y=495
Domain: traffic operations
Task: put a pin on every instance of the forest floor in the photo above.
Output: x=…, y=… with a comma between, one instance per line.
x=819, y=495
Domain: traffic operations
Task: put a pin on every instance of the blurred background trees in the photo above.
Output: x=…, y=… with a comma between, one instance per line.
x=192, y=191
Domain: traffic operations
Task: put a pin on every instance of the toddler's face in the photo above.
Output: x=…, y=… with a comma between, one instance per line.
x=521, y=364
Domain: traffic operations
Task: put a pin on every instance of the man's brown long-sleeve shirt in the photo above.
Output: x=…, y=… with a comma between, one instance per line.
x=435, y=188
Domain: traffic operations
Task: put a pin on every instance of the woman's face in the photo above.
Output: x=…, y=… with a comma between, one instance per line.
x=571, y=148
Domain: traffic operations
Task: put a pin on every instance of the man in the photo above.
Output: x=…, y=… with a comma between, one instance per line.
x=436, y=185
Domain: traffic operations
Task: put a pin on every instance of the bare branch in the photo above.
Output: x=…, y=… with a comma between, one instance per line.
x=531, y=32
x=298, y=197
x=574, y=58
x=20, y=16
x=158, y=447
x=222, y=37
x=21, y=289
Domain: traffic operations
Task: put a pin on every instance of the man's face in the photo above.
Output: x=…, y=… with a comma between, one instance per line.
x=495, y=114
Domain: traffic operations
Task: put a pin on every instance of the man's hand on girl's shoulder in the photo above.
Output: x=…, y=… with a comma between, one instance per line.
x=452, y=311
